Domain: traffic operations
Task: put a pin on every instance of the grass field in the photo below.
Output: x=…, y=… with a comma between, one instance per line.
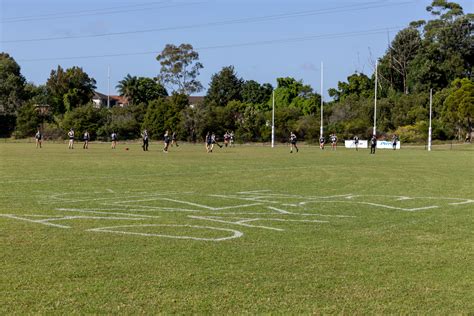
x=249, y=229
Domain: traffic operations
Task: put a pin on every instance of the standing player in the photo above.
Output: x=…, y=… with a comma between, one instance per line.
x=226, y=138
x=356, y=142
x=373, y=144
x=231, y=139
x=166, y=139
x=333, y=141
x=86, y=137
x=70, y=135
x=321, y=142
x=145, y=140
x=173, y=140
x=114, y=139
x=209, y=144
x=293, y=141
x=394, y=141
x=38, y=138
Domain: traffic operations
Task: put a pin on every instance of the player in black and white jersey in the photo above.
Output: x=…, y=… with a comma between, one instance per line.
x=208, y=142
x=226, y=138
x=145, y=140
x=114, y=137
x=70, y=135
x=394, y=141
x=39, y=139
x=86, y=137
x=174, y=140
x=356, y=142
x=293, y=141
x=373, y=144
x=321, y=142
x=333, y=138
x=166, y=140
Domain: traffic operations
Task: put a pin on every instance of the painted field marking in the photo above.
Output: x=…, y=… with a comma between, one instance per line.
x=92, y=211
x=33, y=221
x=113, y=229
x=216, y=219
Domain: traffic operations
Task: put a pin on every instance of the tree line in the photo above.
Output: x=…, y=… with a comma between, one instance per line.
x=437, y=54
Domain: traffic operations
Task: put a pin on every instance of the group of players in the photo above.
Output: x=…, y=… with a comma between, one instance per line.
x=210, y=141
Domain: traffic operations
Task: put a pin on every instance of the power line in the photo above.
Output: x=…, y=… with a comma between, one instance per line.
x=106, y=11
x=355, y=7
x=223, y=46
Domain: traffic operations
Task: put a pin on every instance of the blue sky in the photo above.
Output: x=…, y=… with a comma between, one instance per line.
x=262, y=39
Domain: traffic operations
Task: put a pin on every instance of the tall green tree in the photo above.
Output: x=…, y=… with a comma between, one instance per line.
x=140, y=89
x=180, y=68
x=12, y=85
x=458, y=107
x=69, y=88
x=225, y=86
x=255, y=93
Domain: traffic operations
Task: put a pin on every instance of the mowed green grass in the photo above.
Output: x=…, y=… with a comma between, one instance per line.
x=358, y=248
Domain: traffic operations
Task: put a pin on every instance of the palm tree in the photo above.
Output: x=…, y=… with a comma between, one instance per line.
x=127, y=87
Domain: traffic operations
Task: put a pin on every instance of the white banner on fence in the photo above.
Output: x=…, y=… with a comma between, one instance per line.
x=350, y=144
x=383, y=144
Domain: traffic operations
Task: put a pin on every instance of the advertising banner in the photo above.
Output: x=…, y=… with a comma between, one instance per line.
x=350, y=144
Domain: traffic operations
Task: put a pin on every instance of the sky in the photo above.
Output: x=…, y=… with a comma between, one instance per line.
x=262, y=39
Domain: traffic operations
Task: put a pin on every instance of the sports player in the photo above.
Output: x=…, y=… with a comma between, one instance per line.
x=70, y=135
x=173, y=140
x=394, y=141
x=356, y=142
x=226, y=138
x=209, y=145
x=166, y=140
x=86, y=137
x=373, y=144
x=38, y=138
x=145, y=140
x=334, y=141
x=114, y=139
x=321, y=142
x=293, y=141
x=231, y=139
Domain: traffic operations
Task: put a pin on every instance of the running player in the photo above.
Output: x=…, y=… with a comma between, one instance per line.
x=86, y=137
x=321, y=142
x=38, y=138
x=145, y=140
x=293, y=141
x=373, y=144
x=173, y=140
x=166, y=140
x=356, y=142
x=333, y=141
x=114, y=139
x=70, y=135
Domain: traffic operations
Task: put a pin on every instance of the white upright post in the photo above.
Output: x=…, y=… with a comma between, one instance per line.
x=429, y=128
x=108, y=87
x=273, y=119
x=321, y=130
x=375, y=99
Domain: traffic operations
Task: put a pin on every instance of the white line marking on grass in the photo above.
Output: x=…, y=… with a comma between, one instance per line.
x=146, y=208
x=214, y=219
x=464, y=202
x=210, y=207
x=108, y=213
x=43, y=222
x=279, y=210
x=236, y=233
x=110, y=190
